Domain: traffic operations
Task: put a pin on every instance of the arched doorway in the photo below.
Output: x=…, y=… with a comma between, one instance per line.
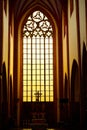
x=75, y=94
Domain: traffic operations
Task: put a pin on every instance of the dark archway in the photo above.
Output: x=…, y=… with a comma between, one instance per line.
x=84, y=84
x=4, y=107
x=75, y=94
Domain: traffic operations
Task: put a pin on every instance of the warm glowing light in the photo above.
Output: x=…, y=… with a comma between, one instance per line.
x=37, y=59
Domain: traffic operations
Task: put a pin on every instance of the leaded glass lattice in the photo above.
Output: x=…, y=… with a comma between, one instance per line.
x=37, y=59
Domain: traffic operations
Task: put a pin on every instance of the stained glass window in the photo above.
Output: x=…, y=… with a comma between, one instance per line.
x=37, y=59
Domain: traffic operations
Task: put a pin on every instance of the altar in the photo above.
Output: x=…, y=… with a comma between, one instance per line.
x=38, y=116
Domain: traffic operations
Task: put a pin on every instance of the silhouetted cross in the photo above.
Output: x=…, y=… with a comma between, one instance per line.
x=38, y=94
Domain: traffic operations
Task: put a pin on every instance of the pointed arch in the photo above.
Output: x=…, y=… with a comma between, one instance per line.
x=75, y=90
x=75, y=94
x=56, y=114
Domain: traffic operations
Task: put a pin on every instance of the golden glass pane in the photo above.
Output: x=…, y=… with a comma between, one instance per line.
x=24, y=40
x=24, y=56
x=42, y=66
x=51, y=82
x=29, y=61
x=38, y=61
x=42, y=89
x=33, y=51
x=38, y=77
x=47, y=66
x=38, y=72
x=42, y=56
x=24, y=77
x=42, y=61
x=33, y=61
x=51, y=67
x=47, y=82
x=33, y=40
x=38, y=46
x=42, y=39
x=24, y=51
x=29, y=72
x=29, y=67
x=51, y=61
x=42, y=82
x=51, y=40
x=38, y=40
x=24, y=66
x=51, y=88
x=51, y=51
x=42, y=77
x=25, y=61
x=38, y=88
x=29, y=93
x=38, y=66
x=38, y=56
x=24, y=94
x=51, y=72
x=29, y=46
x=47, y=99
x=29, y=82
x=24, y=88
x=24, y=46
x=33, y=93
x=47, y=61
x=24, y=99
x=33, y=82
x=33, y=88
x=42, y=98
x=24, y=82
x=47, y=88
x=47, y=93
x=51, y=77
x=46, y=51
x=51, y=46
x=33, y=67
x=46, y=46
x=46, y=40
x=47, y=77
x=38, y=82
x=34, y=98
x=47, y=72
x=29, y=77
x=42, y=72
x=29, y=56
x=42, y=50
x=24, y=72
x=29, y=40
x=33, y=77
x=33, y=72
x=51, y=93
x=51, y=99
x=38, y=51
x=33, y=56
x=51, y=56
x=29, y=99
x=47, y=57
x=29, y=50
x=29, y=88
x=33, y=46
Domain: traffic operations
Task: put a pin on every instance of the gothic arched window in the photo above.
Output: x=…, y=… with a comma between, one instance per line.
x=37, y=59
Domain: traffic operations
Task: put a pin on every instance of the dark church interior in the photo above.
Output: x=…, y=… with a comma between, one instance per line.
x=43, y=64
